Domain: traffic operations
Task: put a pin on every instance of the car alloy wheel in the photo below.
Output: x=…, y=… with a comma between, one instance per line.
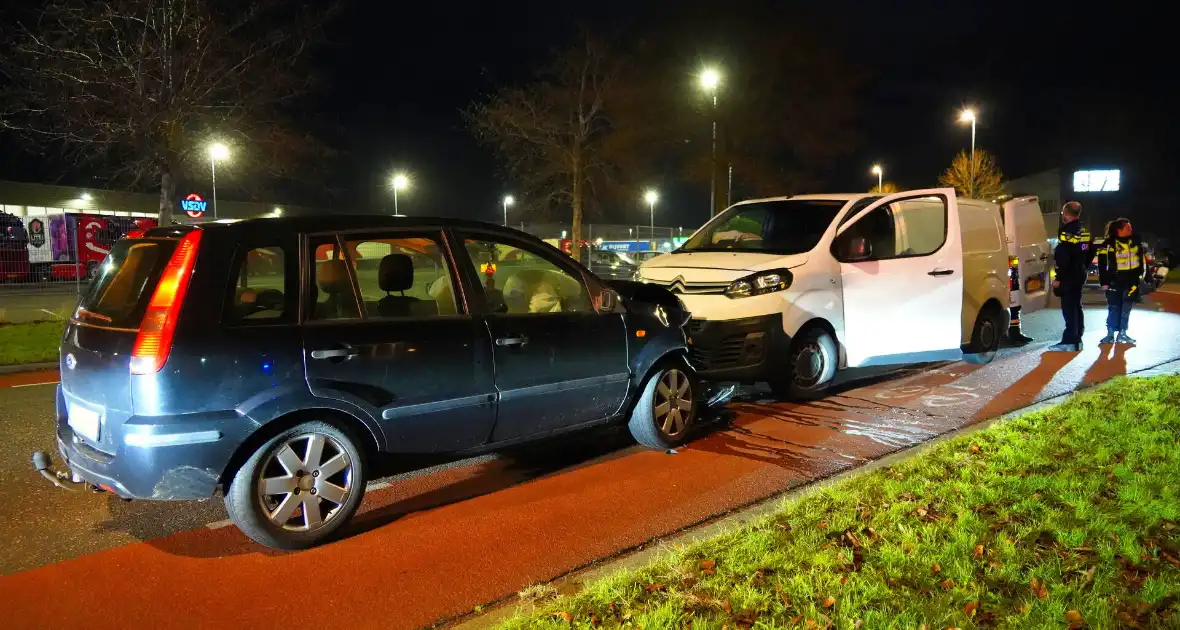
x=673, y=402
x=305, y=482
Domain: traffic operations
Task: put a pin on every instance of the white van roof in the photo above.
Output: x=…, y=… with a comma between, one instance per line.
x=829, y=196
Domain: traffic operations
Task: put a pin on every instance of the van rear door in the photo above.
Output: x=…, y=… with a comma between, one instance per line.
x=1029, y=245
x=901, y=268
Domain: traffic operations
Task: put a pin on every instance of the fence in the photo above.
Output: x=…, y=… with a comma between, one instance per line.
x=47, y=259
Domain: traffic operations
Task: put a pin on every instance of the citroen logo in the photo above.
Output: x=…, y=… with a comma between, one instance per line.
x=677, y=285
x=71, y=362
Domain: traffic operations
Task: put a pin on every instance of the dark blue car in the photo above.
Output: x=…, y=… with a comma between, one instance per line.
x=272, y=359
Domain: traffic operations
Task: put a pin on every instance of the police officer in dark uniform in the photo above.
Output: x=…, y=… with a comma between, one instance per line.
x=1072, y=258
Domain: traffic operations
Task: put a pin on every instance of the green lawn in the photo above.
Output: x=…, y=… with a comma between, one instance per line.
x=1063, y=518
x=29, y=343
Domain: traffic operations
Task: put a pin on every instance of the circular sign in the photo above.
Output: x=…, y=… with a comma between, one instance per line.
x=193, y=205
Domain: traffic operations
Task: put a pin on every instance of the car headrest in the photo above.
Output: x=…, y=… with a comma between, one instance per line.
x=396, y=273
x=332, y=276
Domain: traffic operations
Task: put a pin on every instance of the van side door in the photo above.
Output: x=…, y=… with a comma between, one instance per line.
x=901, y=269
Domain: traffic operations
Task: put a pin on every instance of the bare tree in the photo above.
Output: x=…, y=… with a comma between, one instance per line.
x=977, y=178
x=552, y=134
x=139, y=88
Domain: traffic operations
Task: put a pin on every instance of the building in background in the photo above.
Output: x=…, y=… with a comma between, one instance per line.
x=1101, y=190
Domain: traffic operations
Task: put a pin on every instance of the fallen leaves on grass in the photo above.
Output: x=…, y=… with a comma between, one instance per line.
x=977, y=552
x=708, y=567
x=1075, y=620
x=974, y=448
x=936, y=568
x=829, y=602
x=564, y=616
x=971, y=607
x=947, y=584
x=655, y=588
x=1038, y=588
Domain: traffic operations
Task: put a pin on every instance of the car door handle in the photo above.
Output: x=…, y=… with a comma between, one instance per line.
x=335, y=353
x=940, y=272
x=512, y=341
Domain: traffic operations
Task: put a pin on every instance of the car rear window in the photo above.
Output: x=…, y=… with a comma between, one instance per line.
x=119, y=295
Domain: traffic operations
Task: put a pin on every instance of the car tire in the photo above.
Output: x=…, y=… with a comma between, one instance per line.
x=812, y=359
x=990, y=327
x=667, y=407
x=333, y=486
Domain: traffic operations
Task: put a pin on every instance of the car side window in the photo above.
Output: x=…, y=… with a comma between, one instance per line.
x=519, y=280
x=401, y=275
x=332, y=296
x=259, y=287
x=902, y=229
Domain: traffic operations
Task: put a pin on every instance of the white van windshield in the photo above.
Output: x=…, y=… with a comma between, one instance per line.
x=787, y=226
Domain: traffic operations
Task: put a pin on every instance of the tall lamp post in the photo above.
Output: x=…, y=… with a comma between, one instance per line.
x=710, y=79
x=217, y=151
x=879, y=172
x=968, y=115
x=399, y=182
x=651, y=197
x=508, y=201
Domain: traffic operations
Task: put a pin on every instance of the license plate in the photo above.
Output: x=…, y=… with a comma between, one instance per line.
x=1034, y=284
x=84, y=421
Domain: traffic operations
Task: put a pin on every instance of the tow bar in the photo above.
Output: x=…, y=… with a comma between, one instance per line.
x=43, y=463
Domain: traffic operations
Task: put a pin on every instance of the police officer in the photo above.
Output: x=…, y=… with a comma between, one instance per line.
x=1072, y=258
x=1121, y=265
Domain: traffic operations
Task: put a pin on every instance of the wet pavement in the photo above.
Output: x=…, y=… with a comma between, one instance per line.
x=430, y=546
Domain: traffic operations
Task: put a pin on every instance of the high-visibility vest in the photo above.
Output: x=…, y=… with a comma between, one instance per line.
x=1126, y=255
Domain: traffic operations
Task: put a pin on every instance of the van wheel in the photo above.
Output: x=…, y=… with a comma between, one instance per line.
x=667, y=408
x=989, y=329
x=299, y=488
x=811, y=366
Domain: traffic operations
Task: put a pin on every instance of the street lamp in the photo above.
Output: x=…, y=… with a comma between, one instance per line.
x=710, y=79
x=651, y=197
x=217, y=152
x=508, y=201
x=968, y=115
x=879, y=172
x=399, y=182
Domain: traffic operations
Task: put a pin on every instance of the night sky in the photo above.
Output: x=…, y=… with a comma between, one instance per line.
x=1054, y=85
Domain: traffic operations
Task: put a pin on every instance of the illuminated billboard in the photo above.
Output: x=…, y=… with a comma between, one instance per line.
x=1096, y=181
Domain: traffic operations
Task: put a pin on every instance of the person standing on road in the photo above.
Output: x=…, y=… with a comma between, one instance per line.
x=1121, y=264
x=1071, y=258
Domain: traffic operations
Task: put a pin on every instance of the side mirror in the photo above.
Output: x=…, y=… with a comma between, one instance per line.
x=857, y=248
x=608, y=301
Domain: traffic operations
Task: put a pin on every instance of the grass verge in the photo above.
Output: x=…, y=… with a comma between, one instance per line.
x=1062, y=518
x=29, y=343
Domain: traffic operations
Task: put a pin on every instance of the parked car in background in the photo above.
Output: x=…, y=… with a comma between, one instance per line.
x=610, y=265
x=788, y=290
x=273, y=359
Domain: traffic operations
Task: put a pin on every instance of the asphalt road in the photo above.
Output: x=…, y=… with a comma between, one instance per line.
x=432, y=545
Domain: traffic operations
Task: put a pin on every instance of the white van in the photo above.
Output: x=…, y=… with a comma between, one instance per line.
x=788, y=290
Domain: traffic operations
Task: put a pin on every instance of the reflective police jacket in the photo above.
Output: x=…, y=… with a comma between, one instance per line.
x=1121, y=262
x=1073, y=253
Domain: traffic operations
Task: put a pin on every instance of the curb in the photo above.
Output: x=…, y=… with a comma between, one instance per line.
x=572, y=581
x=27, y=367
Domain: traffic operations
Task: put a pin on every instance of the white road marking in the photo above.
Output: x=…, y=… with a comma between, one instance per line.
x=35, y=384
x=45, y=310
x=220, y=524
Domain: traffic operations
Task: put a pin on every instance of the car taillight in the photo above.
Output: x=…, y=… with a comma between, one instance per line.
x=1013, y=273
x=159, y=322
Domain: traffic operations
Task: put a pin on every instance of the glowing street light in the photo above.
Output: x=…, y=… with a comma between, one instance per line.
x=217, y=153
x=968, y=115
x=710, y=80
x=399, y=182
x=879, y=172
x=651, y=197
x=508, y=201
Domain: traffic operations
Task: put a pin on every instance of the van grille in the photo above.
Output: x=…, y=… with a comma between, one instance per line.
x=679, y=285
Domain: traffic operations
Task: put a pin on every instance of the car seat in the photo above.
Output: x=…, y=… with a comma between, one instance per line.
x=396, y=273
x=332, y=279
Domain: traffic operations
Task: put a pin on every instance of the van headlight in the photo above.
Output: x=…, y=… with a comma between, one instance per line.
x=760, y=283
